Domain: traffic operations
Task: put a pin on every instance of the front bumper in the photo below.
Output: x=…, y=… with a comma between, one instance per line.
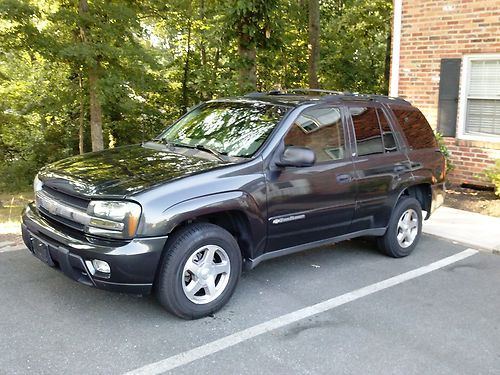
x=133, y=263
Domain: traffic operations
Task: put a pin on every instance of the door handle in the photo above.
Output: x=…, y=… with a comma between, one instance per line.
x=344, y=178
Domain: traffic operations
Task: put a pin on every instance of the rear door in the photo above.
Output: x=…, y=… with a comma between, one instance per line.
x=307, y=204
x=380, y=164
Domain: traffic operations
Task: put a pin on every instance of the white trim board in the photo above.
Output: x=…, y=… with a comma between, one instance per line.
x=462, y=99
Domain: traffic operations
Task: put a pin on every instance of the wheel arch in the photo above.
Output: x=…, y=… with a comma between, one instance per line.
x=235, y=211
x=422, y=193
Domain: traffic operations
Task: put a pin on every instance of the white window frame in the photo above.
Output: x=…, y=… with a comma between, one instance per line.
x=464, y=83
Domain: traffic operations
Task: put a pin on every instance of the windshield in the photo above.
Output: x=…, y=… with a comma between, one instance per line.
x=229, y=128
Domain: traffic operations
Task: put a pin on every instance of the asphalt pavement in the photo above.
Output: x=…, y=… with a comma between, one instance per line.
x=443, y=321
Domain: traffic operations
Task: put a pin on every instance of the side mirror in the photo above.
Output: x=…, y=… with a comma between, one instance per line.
x=296, y=156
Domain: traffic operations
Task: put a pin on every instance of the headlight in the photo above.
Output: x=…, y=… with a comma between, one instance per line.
x=113, y=218
x=37, y=184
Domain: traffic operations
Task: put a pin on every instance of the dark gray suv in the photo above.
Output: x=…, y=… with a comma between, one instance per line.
x=232, y=183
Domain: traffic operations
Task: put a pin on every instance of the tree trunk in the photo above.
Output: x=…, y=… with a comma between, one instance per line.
x=185, y=78
x=95, y=105
x=247, y=51
x=203, y=50
x=314, y=31
x=95, y=112
x=387, y=67
x=82, y=115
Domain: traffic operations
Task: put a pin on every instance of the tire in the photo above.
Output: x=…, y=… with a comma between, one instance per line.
x=404, y=229
x=199, y=271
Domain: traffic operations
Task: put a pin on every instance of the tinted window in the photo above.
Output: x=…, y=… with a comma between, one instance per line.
x=236, y=129
x=387, y=134
x=415, y=127
x=320, y=129
x=367, y=129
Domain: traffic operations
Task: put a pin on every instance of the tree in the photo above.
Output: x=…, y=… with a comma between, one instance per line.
x=314, y=33
x=81, y=75
x=93, y=69
x=251, y=21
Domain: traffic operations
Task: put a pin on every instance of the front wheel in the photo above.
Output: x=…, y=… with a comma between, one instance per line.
x=404, y=229
x=199, y=271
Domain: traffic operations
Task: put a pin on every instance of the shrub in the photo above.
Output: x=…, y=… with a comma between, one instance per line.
x=493, y=175
x=444, y=150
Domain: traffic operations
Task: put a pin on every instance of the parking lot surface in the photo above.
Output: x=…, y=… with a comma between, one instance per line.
x=441, y=322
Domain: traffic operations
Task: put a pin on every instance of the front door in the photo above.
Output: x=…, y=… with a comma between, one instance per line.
x=307, y=204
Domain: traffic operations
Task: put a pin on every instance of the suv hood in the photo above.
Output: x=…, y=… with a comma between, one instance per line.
x=121, y=171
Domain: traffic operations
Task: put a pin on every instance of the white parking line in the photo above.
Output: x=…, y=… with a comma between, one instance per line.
x=283, y=320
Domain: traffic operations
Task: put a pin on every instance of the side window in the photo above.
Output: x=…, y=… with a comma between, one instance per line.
x=415, y=127
x=367, y=129
x=387, y=134
x=320, y=129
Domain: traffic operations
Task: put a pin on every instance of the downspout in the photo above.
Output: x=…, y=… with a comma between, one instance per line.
x=396, y=45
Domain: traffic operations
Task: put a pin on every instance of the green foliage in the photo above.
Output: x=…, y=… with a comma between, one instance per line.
x=493, y=175
x=147, y=51
x=444, y=150
x=354, y=45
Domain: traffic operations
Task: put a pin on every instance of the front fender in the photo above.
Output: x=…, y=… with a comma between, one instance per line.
x=228, y=201
x=210, y=204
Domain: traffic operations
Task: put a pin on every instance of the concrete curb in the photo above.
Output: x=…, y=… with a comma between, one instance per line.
x=468, y=228
x=6, y=249
x=465, y=244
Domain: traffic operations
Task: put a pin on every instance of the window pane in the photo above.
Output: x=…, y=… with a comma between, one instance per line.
x=483, y=98
x=389, y=142
x=231, y=128
x=320, y=129
x=415, y=127
x=367, y=129
x=484, y=78
x=483, y=116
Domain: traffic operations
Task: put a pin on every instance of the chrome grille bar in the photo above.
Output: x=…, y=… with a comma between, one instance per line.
x=58, y=208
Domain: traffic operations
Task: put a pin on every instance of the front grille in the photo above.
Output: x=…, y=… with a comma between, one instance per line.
x=65, y=209
x=72, y=200
x=61, y=220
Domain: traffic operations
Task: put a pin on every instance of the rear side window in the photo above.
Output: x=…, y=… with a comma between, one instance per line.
x=415, y=127
x=373, y=133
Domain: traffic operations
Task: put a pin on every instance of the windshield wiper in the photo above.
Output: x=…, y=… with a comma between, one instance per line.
x=216, y=153
x=171, y=144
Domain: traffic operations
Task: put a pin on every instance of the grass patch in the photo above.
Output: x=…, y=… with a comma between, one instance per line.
x=11, y=207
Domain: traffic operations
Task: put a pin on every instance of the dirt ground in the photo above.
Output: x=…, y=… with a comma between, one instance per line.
x=481, y=201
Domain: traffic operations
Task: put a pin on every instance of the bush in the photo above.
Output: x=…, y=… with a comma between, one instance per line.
x=493, y=175
x=17, y=176
x=446, y=153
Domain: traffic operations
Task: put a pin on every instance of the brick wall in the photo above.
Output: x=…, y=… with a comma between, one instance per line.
x=470, y=158
x=436, y=29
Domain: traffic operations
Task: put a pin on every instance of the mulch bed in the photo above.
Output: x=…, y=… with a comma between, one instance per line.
x=468, y=199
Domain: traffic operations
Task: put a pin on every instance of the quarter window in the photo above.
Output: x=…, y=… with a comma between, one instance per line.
x=320, y=129
x=415, y=127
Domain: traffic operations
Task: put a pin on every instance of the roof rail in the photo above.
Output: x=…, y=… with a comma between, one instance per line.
x=331, y=94
x=317, y=91
x=255, y=94
x=372, y=97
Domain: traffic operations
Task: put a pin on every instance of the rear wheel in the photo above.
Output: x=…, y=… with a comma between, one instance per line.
x=404, y=229
x=199, y=272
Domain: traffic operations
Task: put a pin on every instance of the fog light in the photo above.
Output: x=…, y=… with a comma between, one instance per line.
x=101, y=266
